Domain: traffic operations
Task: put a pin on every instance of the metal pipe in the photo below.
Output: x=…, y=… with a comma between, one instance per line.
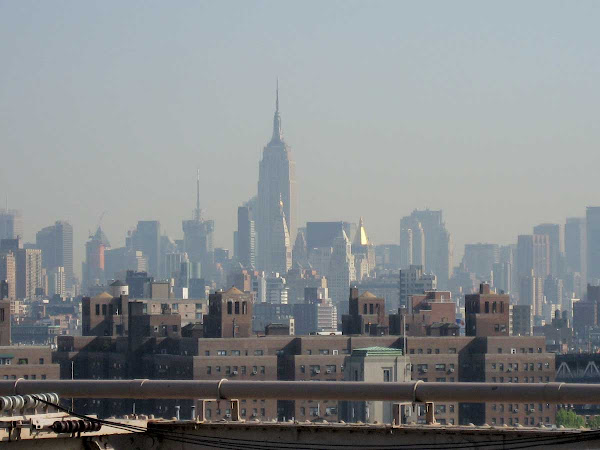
x=414, y=391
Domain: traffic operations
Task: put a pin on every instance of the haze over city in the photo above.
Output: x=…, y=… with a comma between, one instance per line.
x=486, y=111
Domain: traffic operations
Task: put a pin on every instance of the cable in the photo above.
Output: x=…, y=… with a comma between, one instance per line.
x=233, y=443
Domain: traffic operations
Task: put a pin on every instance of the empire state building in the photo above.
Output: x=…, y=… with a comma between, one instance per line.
x=277, y=201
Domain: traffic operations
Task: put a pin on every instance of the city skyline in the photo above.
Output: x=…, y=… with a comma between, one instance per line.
x=433, y=99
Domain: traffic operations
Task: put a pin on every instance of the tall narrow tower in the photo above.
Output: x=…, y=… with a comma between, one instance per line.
x=276, y=180
x=198, y=238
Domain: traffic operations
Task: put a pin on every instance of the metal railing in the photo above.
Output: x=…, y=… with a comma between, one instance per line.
x=414, y=391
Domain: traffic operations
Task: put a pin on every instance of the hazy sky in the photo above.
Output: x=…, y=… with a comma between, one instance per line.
x=486, y=110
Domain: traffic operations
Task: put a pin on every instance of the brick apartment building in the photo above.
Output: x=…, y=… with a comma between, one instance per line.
x=152, y=351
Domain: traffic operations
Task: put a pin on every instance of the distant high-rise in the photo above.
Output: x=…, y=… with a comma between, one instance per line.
x=556, y=245
x=276, y=186
x=533, y=253
x=575, y=245
x=93, y=268
x=11, y=224
x=364, y=253
x=480, y=259
x=56, y=243
x=341, y=271
x=246, y=235
x=280, y=247
x=414, y=281
x=146, y=238
x=8, y=273
x=438, y=243
x=198, y=238
x=593, y=243
x=412, y=243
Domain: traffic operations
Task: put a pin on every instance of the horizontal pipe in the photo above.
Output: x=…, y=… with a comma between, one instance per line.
x=413, y=391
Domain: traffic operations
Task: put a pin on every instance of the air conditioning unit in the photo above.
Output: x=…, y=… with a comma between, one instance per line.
x=317, y=371
x=515, y=410
x=228, y=416
x=532, y=410
x=235, y=372
x=328, y=371
x=254, y=372
x=424, y=370
x=451, y=370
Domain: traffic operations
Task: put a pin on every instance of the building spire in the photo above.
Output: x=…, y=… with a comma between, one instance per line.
x=277, y=133
x=198, y=211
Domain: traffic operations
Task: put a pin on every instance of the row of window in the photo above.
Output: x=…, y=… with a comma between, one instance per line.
x=316, y=369
x=442, y=409
x=513, y=351
x=235, y=306
x=429, y=351
x=227, y=412
x=27, y=377
x=527, y=407
x=439, y=379
x=235, y=353
x=235, y=370
x=515, y=420
x=516, y=380
x=515, y=366
x=439, y=367
x=315, y=411
x=8, y=361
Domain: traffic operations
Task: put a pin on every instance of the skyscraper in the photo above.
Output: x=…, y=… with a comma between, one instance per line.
x=198, y=238
x=412, y=242
x=364, y=252
x=480, y=259
x=280, y=256
x=438, y=243
x=146, y=238
x=246, y=235
x=341, y=271
x=575, y=245
x=56, y=243
x=8, y=272
x=11, y=224
x=533, y=253
x=276, y=186
x=593, y=243
x=555, y=242
x=93, y=268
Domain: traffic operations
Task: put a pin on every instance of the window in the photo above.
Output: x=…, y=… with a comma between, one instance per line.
x=229, y=308
x=235, y=353
x=331, y=368
x=493, y=366
x=437, y=351
x=258, y=352
x=497, y=327
x=41, y=360
x=174, y=328
x=218, y=369
x=43, y=377
x=499, y=350
x=221, y=352
x=324, y=352
x=262, y=369
x=244, y=307
x=365, y=308
x=302, y=369
x=387, y=375
x=412, y=351
x=429, y=351
x=371, y=308
x=97, y=310
x=23, y=361
x=243, y=370
x=440, y=367
x=208, y=370
x=103, y=310
x=237, y=307
x=302, y=411
x=228, y=370
x=452, y=350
